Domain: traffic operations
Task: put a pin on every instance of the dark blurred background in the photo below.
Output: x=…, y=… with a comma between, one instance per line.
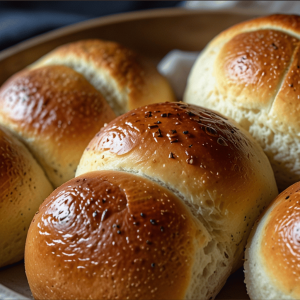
x=22, y=20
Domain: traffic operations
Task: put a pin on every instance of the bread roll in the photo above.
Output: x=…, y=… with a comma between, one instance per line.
x=250, y=73
x=272, y=267
x=112, y=235
x=55, y=111
x=125, y=79
x=24, y=186
x=211, y=164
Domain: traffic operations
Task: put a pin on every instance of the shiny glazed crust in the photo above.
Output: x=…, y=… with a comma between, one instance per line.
x=55, y=111
x=112, y=235
x=126, y=79
x=207, y=160
x=24, y=186
x=272, y=252
x=251, y=73
x=172, y=225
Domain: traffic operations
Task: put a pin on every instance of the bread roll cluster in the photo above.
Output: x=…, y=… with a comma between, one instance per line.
x=55, y=108
x=251, y=73
x=161, y=208
x=166, y=194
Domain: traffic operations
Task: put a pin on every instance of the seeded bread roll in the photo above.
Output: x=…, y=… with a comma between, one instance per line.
x=272, y=254
x=125, y=79
x=24, y=186
x=55, y=111
x=211, y=164
x=250, y=73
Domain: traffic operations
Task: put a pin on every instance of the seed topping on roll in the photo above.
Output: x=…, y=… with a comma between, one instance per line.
x=210, y=138
x=206, y=159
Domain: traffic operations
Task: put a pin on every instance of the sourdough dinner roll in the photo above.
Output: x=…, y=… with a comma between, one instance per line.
x=272, y=269
x=209, y=162
x=55, y=111
x=112, y=235
x=24, y=186
x=251, y=73
x=126, y=79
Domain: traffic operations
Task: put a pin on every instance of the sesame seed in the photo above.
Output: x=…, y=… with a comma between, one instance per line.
x=153, y=222
x=171, y=155
x=190, y=113
x=142, y=215
x=103, y=215
x=159, y=133
x=95, y=214
x=152, y=126
x=190, y=161
x=119, y=232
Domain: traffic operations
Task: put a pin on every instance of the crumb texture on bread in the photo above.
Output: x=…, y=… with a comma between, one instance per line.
x=251, y=73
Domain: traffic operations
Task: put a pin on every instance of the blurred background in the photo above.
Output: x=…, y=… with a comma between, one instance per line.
x=21, y=20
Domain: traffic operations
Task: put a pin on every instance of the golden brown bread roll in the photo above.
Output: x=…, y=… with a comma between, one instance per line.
x=55, y=111
x=211, y=164
x=251, y=73
x=272, y=254
x=24, y=186
x=126, y=79
x=113, y=235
